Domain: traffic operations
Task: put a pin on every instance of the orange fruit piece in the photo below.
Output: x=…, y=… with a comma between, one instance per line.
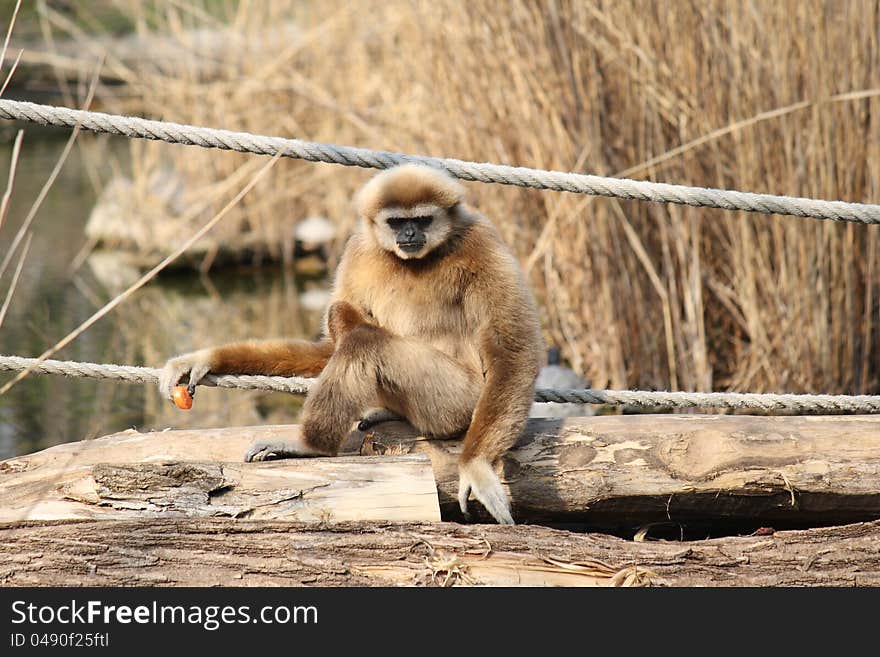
x=182, y=398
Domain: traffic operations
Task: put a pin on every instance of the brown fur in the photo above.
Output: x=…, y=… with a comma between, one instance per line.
x=342, y=317
x=272, y=357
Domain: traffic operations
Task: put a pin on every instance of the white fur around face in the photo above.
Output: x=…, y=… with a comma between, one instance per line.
x=478, y=477
x=436, y=234
x=424, y=210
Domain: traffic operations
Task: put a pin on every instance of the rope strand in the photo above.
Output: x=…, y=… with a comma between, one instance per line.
x=639, y=190
x=641, y=399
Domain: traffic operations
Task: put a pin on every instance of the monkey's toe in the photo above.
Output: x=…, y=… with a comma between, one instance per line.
x=262, y=451
x=464, y=492
x=270, y=450
x=378, y=416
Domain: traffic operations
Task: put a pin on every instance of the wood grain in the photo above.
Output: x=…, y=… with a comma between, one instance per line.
x=224, y=552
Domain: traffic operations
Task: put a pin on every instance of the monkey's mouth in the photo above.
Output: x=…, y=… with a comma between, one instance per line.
x=411, y=247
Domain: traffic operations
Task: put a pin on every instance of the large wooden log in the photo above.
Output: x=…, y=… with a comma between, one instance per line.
x=679, y=468
x=640, y=469
x=206, y=552
x=603, y=471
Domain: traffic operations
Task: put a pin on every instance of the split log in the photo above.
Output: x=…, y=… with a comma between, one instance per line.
x=132, y=475
x=209, y=552
x=603, y=471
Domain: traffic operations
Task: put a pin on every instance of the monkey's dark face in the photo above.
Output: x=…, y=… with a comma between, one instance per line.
x=411, y=233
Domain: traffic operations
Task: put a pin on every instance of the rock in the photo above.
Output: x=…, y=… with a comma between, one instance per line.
x=314, y=233
x=554, y=375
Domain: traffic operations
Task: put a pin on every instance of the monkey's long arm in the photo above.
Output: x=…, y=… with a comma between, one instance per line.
x=270, y=357
x=511, y=366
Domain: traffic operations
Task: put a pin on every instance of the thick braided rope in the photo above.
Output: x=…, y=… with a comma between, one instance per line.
x=637, y=399
x=132, y=374
x=736, y=400
x=482, y=172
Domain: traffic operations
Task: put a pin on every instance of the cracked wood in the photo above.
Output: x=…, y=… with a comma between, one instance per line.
x=225, y=552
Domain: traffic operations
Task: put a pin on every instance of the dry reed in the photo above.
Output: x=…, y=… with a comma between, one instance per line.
x=639, y=295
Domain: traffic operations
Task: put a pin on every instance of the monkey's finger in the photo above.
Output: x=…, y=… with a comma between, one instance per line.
x=196, y=374
x=170, y=376
x=464, y=491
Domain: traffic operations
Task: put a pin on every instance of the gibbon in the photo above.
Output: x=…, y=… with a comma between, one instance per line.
x=430, y=319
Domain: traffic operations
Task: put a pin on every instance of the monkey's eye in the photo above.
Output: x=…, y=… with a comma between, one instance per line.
x=397, y=223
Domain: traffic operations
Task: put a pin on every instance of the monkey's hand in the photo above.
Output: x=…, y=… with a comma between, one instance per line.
x=478, y=477
x=197, y=364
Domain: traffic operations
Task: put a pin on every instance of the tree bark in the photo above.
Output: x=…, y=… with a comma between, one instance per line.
x=224, y=552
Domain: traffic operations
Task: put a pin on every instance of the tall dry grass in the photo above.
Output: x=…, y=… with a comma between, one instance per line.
x=759, y=96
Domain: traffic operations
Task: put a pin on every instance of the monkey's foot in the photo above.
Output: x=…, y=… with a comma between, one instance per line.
x=478, y=477
x=263, y=450
x=378, y=416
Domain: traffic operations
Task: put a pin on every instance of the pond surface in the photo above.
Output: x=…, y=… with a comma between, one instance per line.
x=180, y=311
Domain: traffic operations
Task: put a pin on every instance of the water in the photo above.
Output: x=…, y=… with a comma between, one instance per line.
x=176, y=312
